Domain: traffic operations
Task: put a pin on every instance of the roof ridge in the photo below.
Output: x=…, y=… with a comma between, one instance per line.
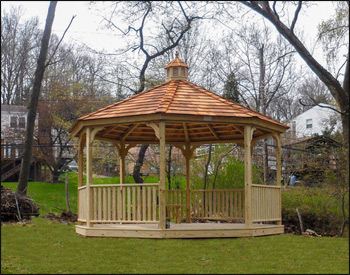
x=122, y=101
x=174, y=84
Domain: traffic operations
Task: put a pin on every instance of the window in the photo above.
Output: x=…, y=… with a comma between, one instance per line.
x=175, y=72
x=183, y=71
x=294, y=126
x=308, y=123
x=13, y=122
x=22, y=122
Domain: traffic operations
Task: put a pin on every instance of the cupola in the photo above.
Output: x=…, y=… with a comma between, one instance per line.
x=176, y=69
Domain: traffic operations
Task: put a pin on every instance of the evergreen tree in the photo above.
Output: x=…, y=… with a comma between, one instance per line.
x=231, y=91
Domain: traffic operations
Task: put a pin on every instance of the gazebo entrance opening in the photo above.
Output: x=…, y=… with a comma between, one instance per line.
x=181, y=114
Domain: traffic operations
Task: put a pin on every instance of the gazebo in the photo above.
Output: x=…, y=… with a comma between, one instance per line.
x=184, y=115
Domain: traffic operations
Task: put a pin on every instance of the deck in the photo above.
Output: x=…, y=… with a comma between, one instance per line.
x=180, y=231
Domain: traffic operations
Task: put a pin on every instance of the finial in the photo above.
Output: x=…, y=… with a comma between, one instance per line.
x=177, y=54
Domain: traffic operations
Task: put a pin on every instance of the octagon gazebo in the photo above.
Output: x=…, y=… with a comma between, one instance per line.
x=182, y=114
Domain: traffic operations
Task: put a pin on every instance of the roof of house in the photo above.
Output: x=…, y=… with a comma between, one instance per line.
x=13, y=108
x=314, y=141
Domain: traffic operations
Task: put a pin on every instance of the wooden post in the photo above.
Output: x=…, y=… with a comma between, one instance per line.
x=162, y=175
x=188, y=183
x=278, y=160
x=80, y=168
x=88, y=174
x=80, y=160
x=122, y=153
x=277, y=138
x=248, y=176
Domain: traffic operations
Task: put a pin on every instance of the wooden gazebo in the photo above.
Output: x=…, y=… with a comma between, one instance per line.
x=182, y=114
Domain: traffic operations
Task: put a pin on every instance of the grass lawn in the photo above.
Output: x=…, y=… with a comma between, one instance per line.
x=49, y=247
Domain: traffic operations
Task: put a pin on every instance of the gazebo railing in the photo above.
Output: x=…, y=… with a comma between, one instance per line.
x=115, y=203
x=139, y=203
x=266, y=203
x=220, y=204
x=82, y=203
x=175, y=202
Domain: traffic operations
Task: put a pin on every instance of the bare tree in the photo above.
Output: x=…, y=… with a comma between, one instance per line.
x=339, y=91
x=18, y=44
x=264, y=68
x=32, y=110
x=139, y=17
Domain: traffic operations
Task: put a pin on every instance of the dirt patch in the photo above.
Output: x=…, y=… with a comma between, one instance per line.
x=65, y=217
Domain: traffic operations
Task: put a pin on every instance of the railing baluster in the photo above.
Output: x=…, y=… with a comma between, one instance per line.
x=114, y=206
x=133, y=204
x=108, y=203
x=129, y=203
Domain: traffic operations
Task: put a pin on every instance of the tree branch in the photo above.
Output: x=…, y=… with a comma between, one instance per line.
x=296, y=16
x=54, y=52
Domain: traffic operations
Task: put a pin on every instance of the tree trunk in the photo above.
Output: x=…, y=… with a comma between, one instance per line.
x=39, y=73
x=55, y=176
x=169, y=167
x=263, y=107
x=139, y=163
x=207, y=168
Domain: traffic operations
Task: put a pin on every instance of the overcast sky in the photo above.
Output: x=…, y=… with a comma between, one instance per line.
x=87, y=27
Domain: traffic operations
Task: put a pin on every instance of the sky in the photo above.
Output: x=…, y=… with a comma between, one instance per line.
x=87, y=28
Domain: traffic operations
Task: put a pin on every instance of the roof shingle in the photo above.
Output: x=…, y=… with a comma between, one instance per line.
x=177, y=97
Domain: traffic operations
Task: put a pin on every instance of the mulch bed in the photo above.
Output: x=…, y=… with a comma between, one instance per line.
x=16, y=207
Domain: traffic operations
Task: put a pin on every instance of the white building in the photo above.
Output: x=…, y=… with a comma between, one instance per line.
x=315, y=121
x=13, y=127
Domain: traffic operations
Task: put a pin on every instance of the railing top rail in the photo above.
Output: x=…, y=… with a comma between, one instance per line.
x=211, y=190
x=266, y=186
x=124, y=185
x=82, y=187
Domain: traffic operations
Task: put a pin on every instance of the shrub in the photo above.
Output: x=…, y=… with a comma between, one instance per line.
x=319, y=209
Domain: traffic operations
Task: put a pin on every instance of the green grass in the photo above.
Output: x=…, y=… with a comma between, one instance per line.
x=51, y=247
x=51, y=196
x=43, y=246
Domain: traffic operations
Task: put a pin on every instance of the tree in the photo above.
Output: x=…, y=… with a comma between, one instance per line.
x=32, y=110
x=264, y=67
x=71, y=88
x=139, y=17
x=231, y=90
x=340, y=28
x=19, y=41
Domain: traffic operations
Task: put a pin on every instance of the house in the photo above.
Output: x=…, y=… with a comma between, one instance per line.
x=315, y=121
x=13, y=127
x=307, y=151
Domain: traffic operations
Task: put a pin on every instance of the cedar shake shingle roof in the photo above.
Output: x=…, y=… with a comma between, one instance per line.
x=194, y=113
x=177, y=97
